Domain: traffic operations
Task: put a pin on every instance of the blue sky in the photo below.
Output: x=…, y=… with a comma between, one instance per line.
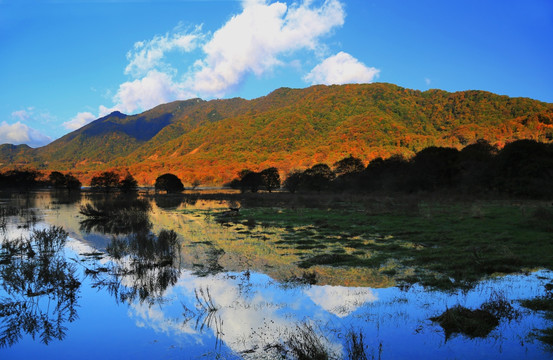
x=64, y=63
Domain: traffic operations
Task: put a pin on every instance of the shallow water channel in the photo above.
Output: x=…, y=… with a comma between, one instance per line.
x=175, y=283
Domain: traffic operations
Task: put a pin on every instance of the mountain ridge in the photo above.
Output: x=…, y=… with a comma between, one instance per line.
x=288, y=128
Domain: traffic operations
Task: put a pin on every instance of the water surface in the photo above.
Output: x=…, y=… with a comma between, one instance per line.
x=216, y=292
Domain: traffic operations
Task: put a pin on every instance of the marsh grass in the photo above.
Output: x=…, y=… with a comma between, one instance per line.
x=541, y=303
x=306, y=278
x=544, y=304
x=355, y=346
x=308, y=342
x=546, y=337
x=472, y=323
x=305, y=343
x=34, y=272
x=116, y=216
x=500, y=307
x=478, y=322
x=447, y=245
x=542, y=217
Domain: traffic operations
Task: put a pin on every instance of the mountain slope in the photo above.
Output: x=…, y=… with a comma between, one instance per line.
x=15, y=154
x=324, y=124
x=289, y=128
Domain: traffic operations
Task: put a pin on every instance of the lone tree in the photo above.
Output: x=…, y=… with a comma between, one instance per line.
x=105, y=181
x=196, y=183
x=128, y=184
x=270, y=178
x=170, y=183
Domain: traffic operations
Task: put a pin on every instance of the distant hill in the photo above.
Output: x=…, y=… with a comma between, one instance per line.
x=10, y=154
x=289, y=128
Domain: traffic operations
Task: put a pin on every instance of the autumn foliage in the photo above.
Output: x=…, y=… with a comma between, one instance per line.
x=211, y=141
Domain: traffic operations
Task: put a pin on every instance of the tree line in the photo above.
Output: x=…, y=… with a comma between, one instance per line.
x=107, y=181
x=26, y=179
x=523, y=168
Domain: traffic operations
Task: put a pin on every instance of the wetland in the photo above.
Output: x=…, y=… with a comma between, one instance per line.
x=212, y=274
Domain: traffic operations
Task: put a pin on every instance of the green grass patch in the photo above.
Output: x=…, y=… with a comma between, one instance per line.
x=448, y=245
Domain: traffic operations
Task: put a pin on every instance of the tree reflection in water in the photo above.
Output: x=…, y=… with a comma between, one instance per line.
x=40, y=286
x=122, y=215
x=173, y=201
x=143, y=266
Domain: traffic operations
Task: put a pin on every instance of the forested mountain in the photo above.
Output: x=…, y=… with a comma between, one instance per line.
x=289, y=128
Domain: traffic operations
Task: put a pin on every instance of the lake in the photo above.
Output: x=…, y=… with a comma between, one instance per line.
x=185, y=277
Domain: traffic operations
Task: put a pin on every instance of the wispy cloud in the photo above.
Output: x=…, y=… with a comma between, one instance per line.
x=19, y=133
x=22, y=115
x=148, y=55
x=341, y=68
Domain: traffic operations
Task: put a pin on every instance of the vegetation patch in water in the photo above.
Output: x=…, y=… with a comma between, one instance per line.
x=472, y=323
x=545, y=304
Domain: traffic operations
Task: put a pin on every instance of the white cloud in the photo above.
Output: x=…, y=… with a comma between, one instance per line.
x=80, y=120
x=103, y=111
x=148, y=55
x=427, y=81
x=341, y=300
x=153, y=89
x=341, y=68
x=21, y=115
x=252, y=41
x=20, y=133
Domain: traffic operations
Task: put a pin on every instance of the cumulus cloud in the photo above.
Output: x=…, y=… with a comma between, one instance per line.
x=254, y=41
x=153, y=89
x=80, y=120
x=266, y=34
x=20, y=133
x=341, y=68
